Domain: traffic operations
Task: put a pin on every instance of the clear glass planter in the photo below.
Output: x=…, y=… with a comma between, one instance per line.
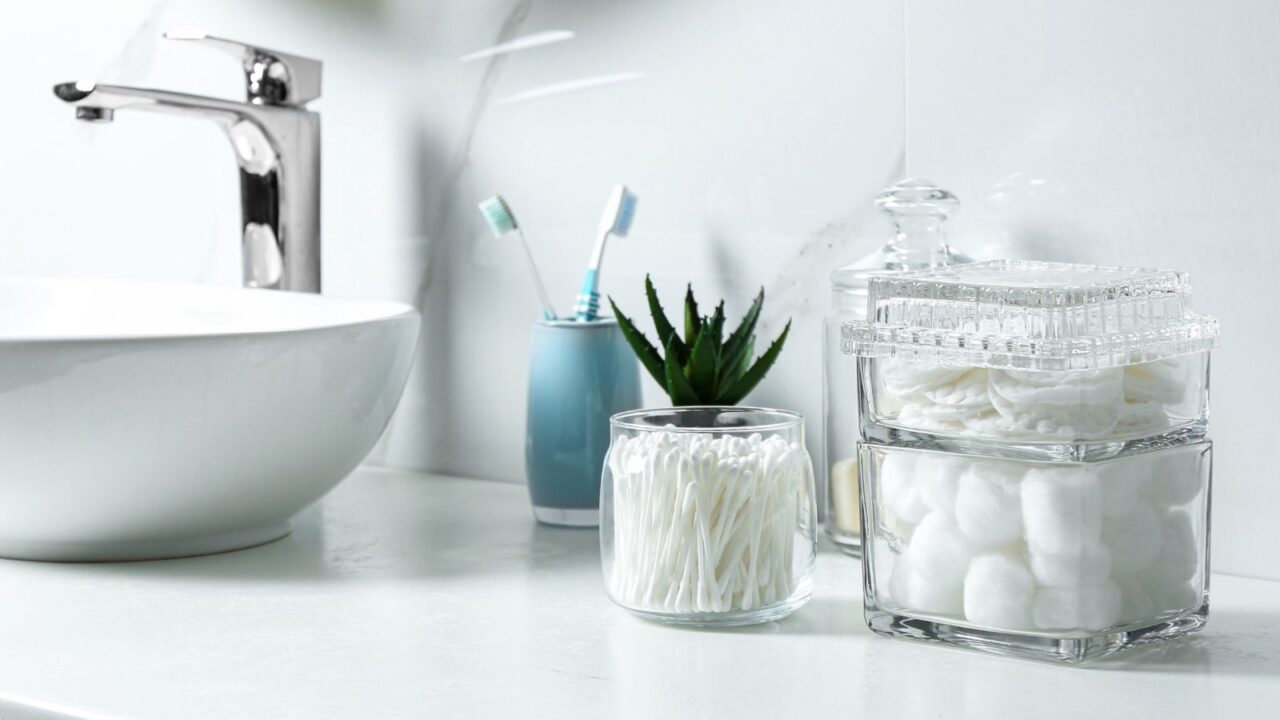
x=1064, y=561
x=707, y=515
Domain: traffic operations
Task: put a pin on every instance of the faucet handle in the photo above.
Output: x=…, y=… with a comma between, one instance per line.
x=272, y=77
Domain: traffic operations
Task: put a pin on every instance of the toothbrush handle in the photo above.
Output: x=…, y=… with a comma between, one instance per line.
x=587, y=307
x=548, y=310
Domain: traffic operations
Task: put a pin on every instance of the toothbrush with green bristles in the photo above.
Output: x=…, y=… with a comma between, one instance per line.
x=616, y=220
x=501, y=221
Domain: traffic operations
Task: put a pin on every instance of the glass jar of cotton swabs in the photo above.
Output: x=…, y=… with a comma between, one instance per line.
x=707, y=515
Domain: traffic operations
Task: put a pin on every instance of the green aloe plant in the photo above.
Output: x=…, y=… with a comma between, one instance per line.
x=702, y=367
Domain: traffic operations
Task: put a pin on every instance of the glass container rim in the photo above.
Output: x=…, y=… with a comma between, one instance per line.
x=780, y=419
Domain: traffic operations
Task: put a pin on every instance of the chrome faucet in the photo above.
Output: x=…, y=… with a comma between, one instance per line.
x=276, y=140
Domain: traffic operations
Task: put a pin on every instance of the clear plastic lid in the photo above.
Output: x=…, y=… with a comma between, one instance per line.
x=1033, y=315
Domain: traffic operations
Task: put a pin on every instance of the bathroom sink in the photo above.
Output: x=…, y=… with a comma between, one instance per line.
x=143, y=421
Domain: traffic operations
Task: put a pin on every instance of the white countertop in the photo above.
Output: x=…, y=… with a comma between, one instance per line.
x=405, y=595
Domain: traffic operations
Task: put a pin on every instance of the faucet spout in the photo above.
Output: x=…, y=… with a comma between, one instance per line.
x=277, y=147
x=87, y=94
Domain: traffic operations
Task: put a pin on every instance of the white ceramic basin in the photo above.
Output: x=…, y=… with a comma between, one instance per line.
x=148, y=421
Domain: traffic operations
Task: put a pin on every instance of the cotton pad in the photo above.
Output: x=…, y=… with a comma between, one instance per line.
x=908, y=380
x=939, y=553
x=1161, y=381
x=1059, y=404
x=988, y=505
x=899, y=495
x=1141, y=417
x=967, y=395
x=993, y=424
x=1088, y=566
x=912, y=592
x=1086, y=607
x=1134, y=540
x=1061, y=509
x=937, y=477
x=997, y=592
x=929, y=418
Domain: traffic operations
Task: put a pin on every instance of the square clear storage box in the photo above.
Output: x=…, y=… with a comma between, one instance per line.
x=1052, y=360
x=1053, y=560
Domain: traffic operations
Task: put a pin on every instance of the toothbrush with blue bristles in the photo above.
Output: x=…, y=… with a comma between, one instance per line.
x=616, y=220
x=501, y=220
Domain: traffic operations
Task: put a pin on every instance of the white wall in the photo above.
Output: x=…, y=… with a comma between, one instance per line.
x=1139, y=132
x=754, y=138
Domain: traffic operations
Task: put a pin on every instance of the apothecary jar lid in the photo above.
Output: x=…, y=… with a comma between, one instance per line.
x=1031, y=315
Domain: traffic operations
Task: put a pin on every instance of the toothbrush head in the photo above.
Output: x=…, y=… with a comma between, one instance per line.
x=498, y=216
x=619, y=213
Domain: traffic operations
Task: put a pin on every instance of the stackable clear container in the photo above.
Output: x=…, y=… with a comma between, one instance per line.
x=1034, y=474
x=1059, y=360
x=1051, y=560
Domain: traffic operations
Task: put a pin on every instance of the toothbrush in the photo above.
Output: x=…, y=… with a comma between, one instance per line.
x=497, y=214
x=616, y=220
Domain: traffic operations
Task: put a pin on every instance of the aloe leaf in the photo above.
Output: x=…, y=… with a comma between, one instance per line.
x=735, y=348
x=729, y=373
x=701, y=368
x=756, y=373
x=677, y=385
x=717, y=324
x=666, y=333
x=692, y=322
x=640, y=344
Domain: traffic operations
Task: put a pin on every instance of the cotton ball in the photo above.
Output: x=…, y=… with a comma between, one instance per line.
x=1083, y=607
x=1168, y=596
x=1135, y=539
x=997, y=592
x=939, y=553
x=1136, y=604
x=937, y=477
x=1124, y=483
x=899, y=494
x=1175, y=477
x=1179, y=556
x=1086, y=567
x=911, y=592
x=988, y=504
x=1061, y=509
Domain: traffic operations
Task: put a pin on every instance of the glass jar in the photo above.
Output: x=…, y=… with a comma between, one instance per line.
x=1034, y=470
x=1069, y=414
x=1062, y=561
x=1055, y=360
x=707, y=515
x=918, y=210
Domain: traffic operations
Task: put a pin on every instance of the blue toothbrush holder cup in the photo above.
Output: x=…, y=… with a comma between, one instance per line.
x=580, y=375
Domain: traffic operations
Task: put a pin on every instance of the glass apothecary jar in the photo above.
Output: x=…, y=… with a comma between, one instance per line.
x=1050, y=359
x=707, y=515
x=917, y=211
x=1063, y=561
